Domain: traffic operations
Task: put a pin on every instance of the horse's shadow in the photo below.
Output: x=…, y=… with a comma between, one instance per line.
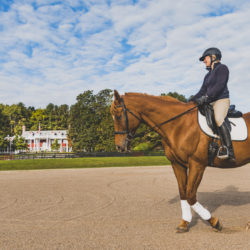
x=229, y=196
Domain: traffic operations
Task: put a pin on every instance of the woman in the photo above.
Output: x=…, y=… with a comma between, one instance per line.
x=214, y=90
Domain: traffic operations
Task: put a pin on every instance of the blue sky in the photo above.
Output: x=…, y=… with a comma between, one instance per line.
x=50, y=51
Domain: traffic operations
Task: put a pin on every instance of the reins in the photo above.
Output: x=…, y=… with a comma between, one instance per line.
x=158, y=125
x=175, y=117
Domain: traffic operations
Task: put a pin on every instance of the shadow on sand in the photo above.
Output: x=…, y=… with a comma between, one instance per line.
x=229, y=196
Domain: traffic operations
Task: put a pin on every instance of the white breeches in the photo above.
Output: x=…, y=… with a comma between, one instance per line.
x=220, y=107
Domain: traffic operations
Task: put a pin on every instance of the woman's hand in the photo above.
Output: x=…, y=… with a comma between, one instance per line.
x=201, y=100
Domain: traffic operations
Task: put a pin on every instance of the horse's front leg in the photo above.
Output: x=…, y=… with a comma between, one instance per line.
x=181, y=176
x=196, y=172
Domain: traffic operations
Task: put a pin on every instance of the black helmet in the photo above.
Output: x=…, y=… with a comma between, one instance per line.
x=210, y=52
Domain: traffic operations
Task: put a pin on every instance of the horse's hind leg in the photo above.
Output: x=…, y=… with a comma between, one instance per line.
x=194, y=178
x=181, y=176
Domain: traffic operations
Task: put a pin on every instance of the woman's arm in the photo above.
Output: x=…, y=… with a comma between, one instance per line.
x=221, y=79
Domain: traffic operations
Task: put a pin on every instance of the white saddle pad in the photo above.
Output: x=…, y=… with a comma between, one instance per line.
x=239, y=128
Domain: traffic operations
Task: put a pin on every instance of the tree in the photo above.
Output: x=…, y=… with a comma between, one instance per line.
x=38, y=118
x=4, y=143
x=180, y=97
x=20, y=143
x=19, y=126
x=15, y=115
x=55, y=146
x=91, y=125
x=4, y=123
x=146, y=140
x=56, y=116
x=105, y=127
x=82, y=122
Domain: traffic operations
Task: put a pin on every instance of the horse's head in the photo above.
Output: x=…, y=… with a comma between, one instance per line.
x=126, y=121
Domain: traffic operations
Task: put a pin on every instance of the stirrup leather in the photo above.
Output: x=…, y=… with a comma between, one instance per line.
x=223, y=156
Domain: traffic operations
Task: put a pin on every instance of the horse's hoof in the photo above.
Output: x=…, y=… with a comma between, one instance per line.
x=183, y=227
x=248, y=226
x=215, y=223
x=217, y=227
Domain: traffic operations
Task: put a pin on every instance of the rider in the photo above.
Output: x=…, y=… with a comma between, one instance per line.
x=215, y=91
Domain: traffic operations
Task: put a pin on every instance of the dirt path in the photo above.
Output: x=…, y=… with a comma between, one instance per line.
x=119, y=208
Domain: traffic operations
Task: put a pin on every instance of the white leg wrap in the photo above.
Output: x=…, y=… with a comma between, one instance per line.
x=203, y=212
x=186, y=211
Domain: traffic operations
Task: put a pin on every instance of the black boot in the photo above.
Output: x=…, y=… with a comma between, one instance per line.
x=226, y=150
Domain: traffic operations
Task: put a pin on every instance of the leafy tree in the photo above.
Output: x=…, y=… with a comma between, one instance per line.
x=19, y=126
x=15, y=116
x=180, y=97
x=82, y=122
x=56, y=117
x=55, y=146
x=4, y=123
x=91, y=125
x=37, y=118
x=105, y=128
x=4, y=143
x=20, y=143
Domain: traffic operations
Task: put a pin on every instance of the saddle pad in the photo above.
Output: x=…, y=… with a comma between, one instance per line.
x=239, y=128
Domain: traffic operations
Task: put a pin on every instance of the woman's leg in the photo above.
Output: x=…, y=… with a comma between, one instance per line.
x=220, y=112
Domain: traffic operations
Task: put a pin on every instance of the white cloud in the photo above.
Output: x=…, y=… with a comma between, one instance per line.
x=55, y=52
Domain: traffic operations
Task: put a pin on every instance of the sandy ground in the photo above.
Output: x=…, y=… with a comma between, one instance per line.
x=119, y=208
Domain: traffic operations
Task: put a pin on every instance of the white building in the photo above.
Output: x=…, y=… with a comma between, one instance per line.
x=42, y=140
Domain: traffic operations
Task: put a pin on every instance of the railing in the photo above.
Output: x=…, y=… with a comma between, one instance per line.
x=26, y=156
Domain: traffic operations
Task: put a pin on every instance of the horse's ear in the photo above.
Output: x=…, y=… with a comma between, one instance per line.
x=117, y=96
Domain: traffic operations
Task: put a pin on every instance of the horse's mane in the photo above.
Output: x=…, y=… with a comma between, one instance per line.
x=164, y=99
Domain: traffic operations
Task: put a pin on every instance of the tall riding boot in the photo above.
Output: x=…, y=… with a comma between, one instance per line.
x=226, y=151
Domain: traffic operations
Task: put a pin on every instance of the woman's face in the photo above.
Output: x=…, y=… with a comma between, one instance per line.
x=207, y=61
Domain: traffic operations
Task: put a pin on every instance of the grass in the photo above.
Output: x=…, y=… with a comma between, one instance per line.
x=87, y=162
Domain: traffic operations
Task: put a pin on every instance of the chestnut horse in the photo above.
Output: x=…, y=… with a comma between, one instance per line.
x=185, y=145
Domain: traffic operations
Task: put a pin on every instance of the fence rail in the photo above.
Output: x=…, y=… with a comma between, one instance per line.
x=26, y=156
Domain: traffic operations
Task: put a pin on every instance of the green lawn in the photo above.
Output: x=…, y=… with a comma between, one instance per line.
x=87, y=162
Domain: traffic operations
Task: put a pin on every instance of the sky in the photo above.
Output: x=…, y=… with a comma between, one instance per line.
x=51, y=51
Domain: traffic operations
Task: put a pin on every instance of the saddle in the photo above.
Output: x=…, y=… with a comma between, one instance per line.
x=208, y=112
x=208, y=125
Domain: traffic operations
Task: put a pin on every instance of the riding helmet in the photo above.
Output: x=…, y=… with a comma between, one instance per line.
x=210, y=52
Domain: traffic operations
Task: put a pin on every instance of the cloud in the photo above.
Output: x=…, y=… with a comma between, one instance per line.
x=55, y=50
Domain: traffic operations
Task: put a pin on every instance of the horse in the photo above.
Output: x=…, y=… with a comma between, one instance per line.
x=185, y=145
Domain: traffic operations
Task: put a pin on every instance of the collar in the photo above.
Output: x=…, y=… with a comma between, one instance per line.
x=215, y=65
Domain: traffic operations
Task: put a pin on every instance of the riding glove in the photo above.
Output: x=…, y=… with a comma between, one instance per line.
x=201, y=100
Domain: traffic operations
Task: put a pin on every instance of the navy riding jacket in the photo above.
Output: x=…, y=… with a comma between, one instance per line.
x=215, y=84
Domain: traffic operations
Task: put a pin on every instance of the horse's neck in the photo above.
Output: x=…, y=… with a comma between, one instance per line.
x=155, y=111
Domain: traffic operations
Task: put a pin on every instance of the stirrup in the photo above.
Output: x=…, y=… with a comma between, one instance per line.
x=224, y=156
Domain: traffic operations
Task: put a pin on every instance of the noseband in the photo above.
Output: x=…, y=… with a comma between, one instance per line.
x=125, y=110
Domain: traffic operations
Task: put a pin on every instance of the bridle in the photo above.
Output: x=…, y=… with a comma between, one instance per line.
x=125, y=110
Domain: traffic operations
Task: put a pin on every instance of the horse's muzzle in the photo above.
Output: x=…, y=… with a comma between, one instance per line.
x=123, y=147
